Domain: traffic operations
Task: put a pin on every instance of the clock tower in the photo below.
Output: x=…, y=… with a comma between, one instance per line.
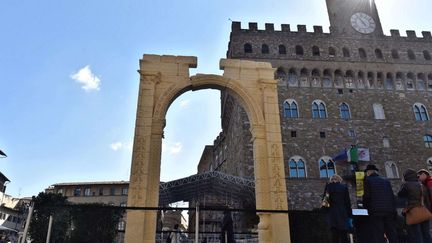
x=354, y=18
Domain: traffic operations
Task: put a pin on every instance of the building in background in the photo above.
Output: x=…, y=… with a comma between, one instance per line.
x=13, y=212
x=352, y=86
x=112, y=193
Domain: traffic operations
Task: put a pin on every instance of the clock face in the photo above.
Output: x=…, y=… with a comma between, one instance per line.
x=363, y=23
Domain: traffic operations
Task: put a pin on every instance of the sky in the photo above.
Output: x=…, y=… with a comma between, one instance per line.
x=69, y=81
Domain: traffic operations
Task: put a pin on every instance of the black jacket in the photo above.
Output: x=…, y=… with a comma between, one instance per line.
x=340, y=206
x=378, y=196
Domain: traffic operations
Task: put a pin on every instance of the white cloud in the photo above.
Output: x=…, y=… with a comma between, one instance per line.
x=120, y=145
x=116, y=146
x=184, y=103
x=87, y=78
x=172, y=149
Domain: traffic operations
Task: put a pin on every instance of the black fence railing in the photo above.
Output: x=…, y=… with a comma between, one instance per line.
x=305, y=226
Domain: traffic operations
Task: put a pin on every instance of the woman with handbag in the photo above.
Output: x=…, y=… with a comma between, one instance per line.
x=339, y=210
x=416, y=211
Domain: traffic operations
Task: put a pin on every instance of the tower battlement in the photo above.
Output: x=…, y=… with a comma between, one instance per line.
x=318, y=30
x=269, y=28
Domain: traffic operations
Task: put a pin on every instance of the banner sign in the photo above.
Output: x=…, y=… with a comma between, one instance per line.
x=359, y=183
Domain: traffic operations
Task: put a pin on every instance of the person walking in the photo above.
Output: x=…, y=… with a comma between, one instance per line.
x=425, y=178
x=414, y=192
x=379, y=200
x=339, y=212
x=175, y=234
x=227, y=234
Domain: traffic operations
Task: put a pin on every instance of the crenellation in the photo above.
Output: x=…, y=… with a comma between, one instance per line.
x=411, y=34
x=235, y=26
x=253, y=26
x=318, y=29
x=395, y=33
x=269, y=27
x=301, y=28
x=426, y=34
x=285, y=28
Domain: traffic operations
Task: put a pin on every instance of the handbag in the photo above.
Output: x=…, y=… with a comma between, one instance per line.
x=325, y=201
x=417, y=214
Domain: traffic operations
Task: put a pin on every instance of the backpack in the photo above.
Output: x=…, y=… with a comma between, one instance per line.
x=168, y=240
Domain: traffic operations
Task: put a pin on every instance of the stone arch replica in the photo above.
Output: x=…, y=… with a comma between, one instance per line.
x=162, y=79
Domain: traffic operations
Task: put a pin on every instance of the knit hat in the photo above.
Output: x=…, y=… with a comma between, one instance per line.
x=423, y=171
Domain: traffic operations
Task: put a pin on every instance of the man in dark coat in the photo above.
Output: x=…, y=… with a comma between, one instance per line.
x=340, y=209
x=380, y=202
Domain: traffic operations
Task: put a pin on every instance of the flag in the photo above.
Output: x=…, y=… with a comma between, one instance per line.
x=353, y=155
x=363, y=154
x=342, y=156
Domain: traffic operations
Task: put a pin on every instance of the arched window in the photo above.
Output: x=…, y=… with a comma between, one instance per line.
x=247, y=48
x=410, y=81
x=362, y=53
x=411, y=55
x=371, y=79
x=304, y=72
x=429, y=164
x=282, y=50
x=265, y=49
x=421, y=81
x=426, y=55
x=378, y=54
x=344, y=111
x=315, y=79
x=327, y=78
x=290, y=109
x=292, y=77
x=338, y=78
x=360, y=79
x=346, y=52
x=315, y=51
x=388, y=84
x=319, y=109
x=391, y=170
x=420, y=112
x=378, y=111
x=399, y=81
x=297, y=167
x=430, y=81
x=349, y=79
x=332, y=52
x=380, y=80
x=304, y=77
x=327, y=167
x=299, y=51
x=280, y=74
x=395, y=54
x=427, y=140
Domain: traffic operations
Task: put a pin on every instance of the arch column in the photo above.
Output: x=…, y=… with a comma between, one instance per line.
x=145, y=168
x=270, y=186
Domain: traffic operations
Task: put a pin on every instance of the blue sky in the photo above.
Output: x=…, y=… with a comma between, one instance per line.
x=69, y=84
